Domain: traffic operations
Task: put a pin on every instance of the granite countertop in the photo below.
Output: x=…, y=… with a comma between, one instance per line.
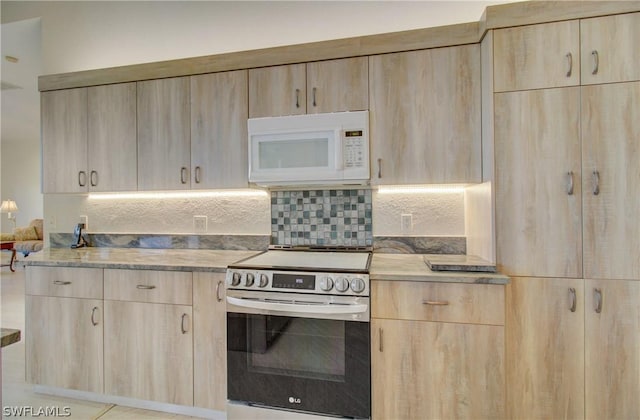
x=9, y=336
x=412, y=267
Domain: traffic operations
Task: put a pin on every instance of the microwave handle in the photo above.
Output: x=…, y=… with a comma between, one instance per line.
x=339, y=149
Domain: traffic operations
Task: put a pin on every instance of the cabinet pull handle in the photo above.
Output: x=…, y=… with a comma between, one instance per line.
x=184, y=328
x=597, y=294
x=380, y=347
x=574, y=300
x=93, y=178
x=379, y=167
x=183, y=174
x=570, y=61
x=596, y=61
x=218, y=297
x=297, y=98
x=197, y=175
x=61, y=283
x=314, y=97
x=93, y=316
x=570, y=183
x=145, y=287
x=435, y=302
x=596, y=182
x=82, y=178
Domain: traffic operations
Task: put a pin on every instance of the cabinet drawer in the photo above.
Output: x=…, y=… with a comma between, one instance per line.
x=148, y=286
x=64, y=282
x=443, y=302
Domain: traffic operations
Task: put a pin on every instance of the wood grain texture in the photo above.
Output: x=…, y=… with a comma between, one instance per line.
x=537, y=143
x=63, y=347
x=168, y=286
x=146, y=355
x=429, y=370
x=340, y=85
x=164, y=138
x=479, y=221
x=533, y=57
x=610, y=133
x=64, y=141
x=209, y=341
x=612, y=350
x=425, y=116
x=467, y=303
x=64, y=282
x=112, y=138
x=277, y=91
x=487, y=87
x=219, y=112
x=544, y=349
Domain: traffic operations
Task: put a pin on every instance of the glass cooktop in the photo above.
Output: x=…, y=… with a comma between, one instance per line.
x=308, y=261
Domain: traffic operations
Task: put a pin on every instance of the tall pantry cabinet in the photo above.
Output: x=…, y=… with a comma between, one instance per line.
x=567, y=194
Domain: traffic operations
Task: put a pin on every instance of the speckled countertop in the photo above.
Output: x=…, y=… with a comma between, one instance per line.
x=8, y=336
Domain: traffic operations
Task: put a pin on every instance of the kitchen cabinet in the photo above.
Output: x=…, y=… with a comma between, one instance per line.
x=425, y=116
x=219, y=112
x=64, y=327
x=437, y=350
x=148, y=334
x=296, y=89
x=164, y=141
x=209, y=341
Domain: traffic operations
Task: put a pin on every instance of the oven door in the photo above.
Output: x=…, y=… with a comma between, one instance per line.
x=314, y=360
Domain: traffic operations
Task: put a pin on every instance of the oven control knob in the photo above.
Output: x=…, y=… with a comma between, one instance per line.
x=357, y=285
x=264, y=280
x=326, y=283
x=235, y=279
x=250, y=279
x=342, y=284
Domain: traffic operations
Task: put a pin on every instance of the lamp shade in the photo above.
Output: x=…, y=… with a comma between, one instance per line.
x=8, y=206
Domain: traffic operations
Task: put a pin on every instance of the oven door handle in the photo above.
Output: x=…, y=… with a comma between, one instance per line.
x=300, y=307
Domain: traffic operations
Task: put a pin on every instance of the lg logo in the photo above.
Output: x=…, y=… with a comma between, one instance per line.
x=293, y=400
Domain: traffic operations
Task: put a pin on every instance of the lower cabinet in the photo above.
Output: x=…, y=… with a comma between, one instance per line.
x=435, y=353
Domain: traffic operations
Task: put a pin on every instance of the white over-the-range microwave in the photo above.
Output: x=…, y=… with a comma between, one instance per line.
x=328, y=149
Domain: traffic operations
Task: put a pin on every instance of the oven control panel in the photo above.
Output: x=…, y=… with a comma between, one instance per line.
x=353, y=284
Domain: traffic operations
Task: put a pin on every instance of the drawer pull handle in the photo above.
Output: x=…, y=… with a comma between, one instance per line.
x=145, y=287
x=297, y=98
x=61, y=283
x=598, y=297
x=218, y=297
x=381, y=348
x=574, y=300
x=314, y=97
x=93, y=316
x=596, y=62
x=570, y=183
x=435, y=302
x=197, y=175
x=596, y=182
x=93, y=178
x=82, y=178
x=379, y=168
x=184, y=328
x=183, y=174
x=570, y=62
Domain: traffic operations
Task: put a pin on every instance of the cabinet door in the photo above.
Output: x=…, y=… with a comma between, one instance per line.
x=209, y=341
x=610, y=50
x=537, y=56
x=219, y=130
x=436, y=370
x=148, y=351
x=276, y=91
x=112, y=138
x=64, y=345
x=64, y=141
x=425, y=116
x=545, y=348
x=164, y=141
x=610, y=135
x=538, y=194
x=612, y=349
x=338, y=85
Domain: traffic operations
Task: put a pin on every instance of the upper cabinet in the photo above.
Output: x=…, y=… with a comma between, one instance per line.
x=537, y=56
x=425, y=116
x=219, y=130
x=164, y=154
x=323, y=86
x=609, y=49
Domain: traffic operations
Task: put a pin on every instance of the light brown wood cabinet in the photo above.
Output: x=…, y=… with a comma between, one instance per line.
x=425, y=117
x=423, y=368
x=296, y=89
x=64, y=328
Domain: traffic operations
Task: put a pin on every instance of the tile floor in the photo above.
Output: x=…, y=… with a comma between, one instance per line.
x=17, y=393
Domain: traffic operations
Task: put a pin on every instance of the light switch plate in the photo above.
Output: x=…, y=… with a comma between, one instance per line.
x=200, y=224
x=406, y=221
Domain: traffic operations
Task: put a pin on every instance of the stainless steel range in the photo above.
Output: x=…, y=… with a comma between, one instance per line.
x=298, y=341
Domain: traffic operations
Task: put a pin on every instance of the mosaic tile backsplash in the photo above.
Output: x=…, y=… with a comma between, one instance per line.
x=321, y=217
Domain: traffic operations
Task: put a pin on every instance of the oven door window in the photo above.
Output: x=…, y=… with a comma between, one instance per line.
x=308, y=364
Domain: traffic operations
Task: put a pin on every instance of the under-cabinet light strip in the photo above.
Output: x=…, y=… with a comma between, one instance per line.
x=421, y=189
x=177, y=194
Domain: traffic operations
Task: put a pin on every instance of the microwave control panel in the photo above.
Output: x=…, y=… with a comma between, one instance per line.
x=353, y=149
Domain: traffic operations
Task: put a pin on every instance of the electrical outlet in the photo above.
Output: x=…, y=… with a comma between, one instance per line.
x=200, y=223
x=406, y=222
x=51, y=223
x=85, y=220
